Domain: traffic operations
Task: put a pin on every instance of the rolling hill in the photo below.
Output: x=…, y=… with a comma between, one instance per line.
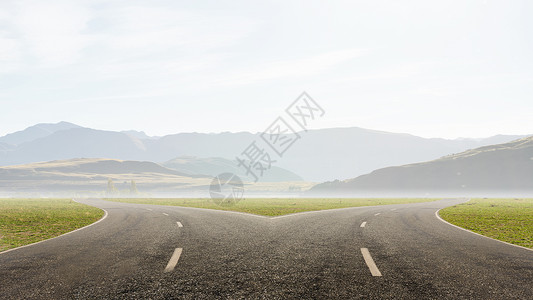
x=491, y=170
x=89, y=177
x=83, y=167
x=90, y=174
x=215, y=166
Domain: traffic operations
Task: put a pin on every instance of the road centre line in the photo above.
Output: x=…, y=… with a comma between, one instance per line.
x=370, y=262
x=363, y=224
x=179, y=224
x=173, y=260
x=377, y=214
x=165, y=214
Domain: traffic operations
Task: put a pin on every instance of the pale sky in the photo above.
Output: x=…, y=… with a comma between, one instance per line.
x=429, y=68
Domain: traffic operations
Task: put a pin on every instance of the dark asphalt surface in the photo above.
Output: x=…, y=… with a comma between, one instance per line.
x=303, y=256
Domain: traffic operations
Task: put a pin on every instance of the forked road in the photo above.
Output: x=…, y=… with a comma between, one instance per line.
x=145, y=251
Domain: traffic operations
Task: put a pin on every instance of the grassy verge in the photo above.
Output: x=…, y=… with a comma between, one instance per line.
x=26, y=221
x=509, y=220
x=274, y=206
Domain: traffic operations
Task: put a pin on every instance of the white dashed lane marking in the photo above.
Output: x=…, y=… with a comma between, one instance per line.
x=173, y=260
x=370, y=262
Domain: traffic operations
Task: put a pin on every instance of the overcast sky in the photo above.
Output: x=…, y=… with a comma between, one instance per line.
x=430, y=68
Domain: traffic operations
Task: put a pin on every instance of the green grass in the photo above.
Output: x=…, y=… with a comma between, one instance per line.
x=26, y=221
x=273, y=206
x=509, y=220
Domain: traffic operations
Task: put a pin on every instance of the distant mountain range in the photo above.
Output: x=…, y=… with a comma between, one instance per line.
x=320, y=155
x=497, y=169
x=35, y=132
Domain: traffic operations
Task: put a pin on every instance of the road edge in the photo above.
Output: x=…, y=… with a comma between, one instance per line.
x=464, y=229
x=55, y=237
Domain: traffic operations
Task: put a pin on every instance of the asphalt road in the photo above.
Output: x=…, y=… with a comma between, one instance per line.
x=141, y=251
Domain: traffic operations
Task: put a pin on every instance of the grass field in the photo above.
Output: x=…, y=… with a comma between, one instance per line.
x=274, y=206
x=26, y=221
x=509, y=220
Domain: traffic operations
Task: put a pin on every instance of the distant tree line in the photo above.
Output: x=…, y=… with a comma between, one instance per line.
x=113, y=191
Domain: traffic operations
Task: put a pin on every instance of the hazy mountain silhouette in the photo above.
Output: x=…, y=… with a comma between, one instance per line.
x=77, y=142
x=5, y=147
x=89, y=177
x=69, y=169
x=340, y=153
x=319, y=155
x=226, y=144
x=138, y=134
x=215, y=166
x=491, y=169
x=35, y=132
